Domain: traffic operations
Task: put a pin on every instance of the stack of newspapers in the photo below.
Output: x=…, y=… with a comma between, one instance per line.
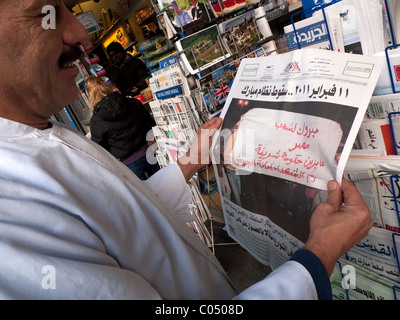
x=177, y=122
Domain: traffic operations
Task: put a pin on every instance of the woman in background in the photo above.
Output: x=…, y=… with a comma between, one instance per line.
x=120, y=125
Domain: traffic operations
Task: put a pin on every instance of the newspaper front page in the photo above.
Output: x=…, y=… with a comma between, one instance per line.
x=289, y=125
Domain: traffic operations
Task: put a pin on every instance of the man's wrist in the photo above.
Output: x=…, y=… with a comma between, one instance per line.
x=188, y=169
x=317, y=270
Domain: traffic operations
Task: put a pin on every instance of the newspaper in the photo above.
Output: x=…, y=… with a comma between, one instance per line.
x=377, y=253
x=315, y=31
x=367, y=285
x=381, y=106
x=289, y=125
x=377, y=179
x=380, y=129
x=376, y=134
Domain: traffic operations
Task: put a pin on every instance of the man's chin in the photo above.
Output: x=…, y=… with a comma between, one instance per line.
x=68, y=99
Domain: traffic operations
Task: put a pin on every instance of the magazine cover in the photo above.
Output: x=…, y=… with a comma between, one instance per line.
x=242, y=33
x=202, y=49
x=221, y=7
x=183, y=14
x=217, y=85
x=289, y=125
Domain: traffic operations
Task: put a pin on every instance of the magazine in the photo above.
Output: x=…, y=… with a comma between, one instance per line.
x=222, y=7
x=289, y=125
x=242, y=33
x=183, y=14
x=202, y=49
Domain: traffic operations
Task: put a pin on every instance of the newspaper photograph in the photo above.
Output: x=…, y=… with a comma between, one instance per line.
x=289, y=125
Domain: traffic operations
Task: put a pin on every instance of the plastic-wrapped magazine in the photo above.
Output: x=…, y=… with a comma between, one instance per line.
x=242, y=33
x=289, y=125
x=217, y=85
x=183, y=14
x=202, y=49
x=221, y=7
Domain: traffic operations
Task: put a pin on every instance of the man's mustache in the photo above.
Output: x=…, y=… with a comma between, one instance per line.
x=71, y=55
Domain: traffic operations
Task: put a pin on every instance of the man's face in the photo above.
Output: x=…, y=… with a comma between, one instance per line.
x=178, y=10
x=117, y=58
x=193, y=2
x=37, y=74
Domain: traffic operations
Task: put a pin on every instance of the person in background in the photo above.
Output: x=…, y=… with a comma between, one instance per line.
x=182, y=17
x=75, y=223
x=127, y=73
x=120, y=125
x=199, y=11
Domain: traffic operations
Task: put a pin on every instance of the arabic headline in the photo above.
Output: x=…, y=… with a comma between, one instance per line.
x=306, y=90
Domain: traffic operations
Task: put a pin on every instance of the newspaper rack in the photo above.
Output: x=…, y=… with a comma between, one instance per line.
x=201, y=71
x=261, y=40
x=303, y=13
x=391, y=114
x=221, y=7
x=394, y=235
x=341, y=273
x=396, y=252
x=392, y=177
x=393, y=46
x=387, y=49
x=395, y=288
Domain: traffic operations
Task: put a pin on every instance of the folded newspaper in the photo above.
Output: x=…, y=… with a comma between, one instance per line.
x=289, y=125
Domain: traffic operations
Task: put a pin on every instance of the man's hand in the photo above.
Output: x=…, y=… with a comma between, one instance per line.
x=198, y=155
x=338, y=224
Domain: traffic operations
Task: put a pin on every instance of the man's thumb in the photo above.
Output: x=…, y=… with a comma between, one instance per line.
x=335, y=197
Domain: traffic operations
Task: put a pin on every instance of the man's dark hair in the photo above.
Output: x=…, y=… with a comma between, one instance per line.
x=115, y=47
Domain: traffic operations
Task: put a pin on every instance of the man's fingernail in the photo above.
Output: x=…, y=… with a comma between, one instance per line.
x=332, y=185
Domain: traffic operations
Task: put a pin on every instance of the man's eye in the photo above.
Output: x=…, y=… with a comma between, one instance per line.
x=49, y=9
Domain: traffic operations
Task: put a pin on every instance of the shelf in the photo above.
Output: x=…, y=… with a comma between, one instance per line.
x=118, y=23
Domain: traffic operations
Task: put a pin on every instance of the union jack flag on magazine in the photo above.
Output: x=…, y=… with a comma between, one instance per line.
x=221, y=93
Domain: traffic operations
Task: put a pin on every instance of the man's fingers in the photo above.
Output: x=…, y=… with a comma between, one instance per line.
x=214, y=123
x=351, y=194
